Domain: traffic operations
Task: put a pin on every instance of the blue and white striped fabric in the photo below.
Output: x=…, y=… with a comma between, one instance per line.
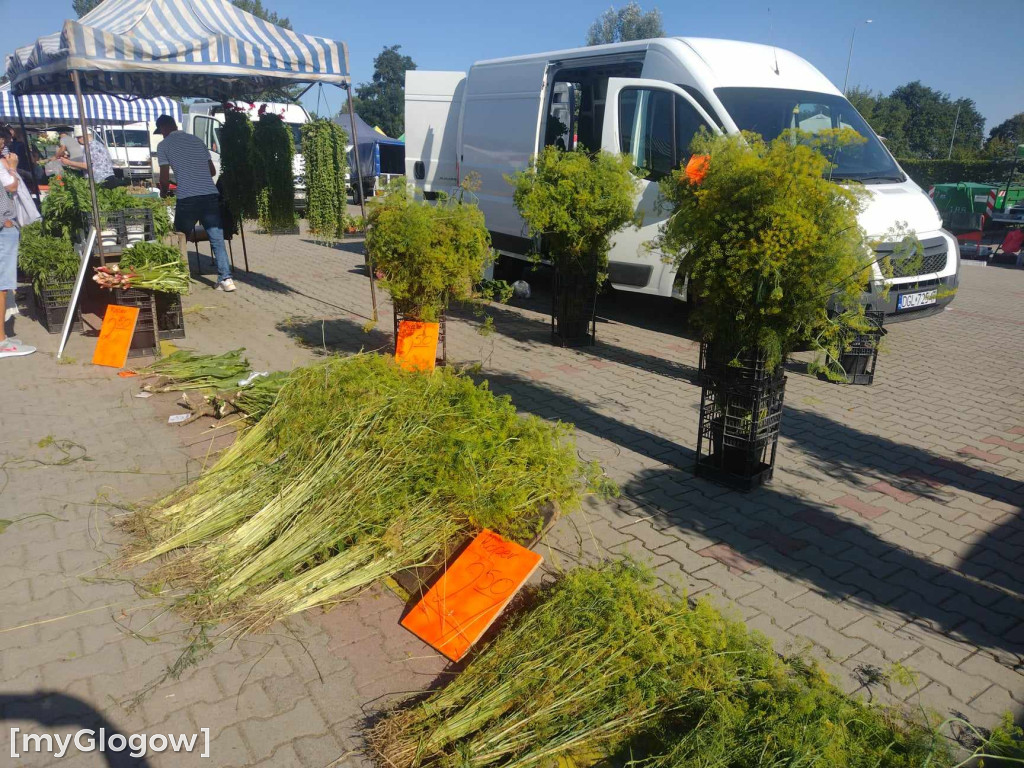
x=175, y=48
x=99, y=108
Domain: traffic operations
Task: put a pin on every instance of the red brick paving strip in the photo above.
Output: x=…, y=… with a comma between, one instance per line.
x=994, y=440
x=904, y=497
x=862, y=508
x=970, y=450
x=1016, y=430
x=923, y=477
x=787, y=545
x=728, y=556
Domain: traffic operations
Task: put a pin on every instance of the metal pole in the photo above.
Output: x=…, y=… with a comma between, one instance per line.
x=28, y=148
x=241, y=231
x=849, y=58
x=1006, y=192
x=362, y=203
x=88, y=161
x=951, y=138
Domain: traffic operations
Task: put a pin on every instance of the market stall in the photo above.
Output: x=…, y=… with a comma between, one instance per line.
x=151, y=48
x=380, y=158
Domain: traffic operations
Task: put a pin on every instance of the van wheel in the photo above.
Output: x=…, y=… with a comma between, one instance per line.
x=509, y=269
x=357, y=196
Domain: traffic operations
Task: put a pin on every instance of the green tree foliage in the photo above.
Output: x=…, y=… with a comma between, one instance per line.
x=82, y=7
x=767, y=240
x=630, y=22
x=381, y=102
x=323, y=147
x=255, y=7
x=238, y=165
x=918, y=121
x=1004, y=138
x=274, y=150
x=430, y=255
x=575, y=202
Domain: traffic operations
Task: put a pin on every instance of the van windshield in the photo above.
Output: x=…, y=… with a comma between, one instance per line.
x=771, y=111
x=134, y=138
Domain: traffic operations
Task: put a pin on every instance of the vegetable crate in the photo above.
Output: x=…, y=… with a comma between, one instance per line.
x=574, y=307
x=740, y=419
x=170, y=320
x=146, y=339
x=442, y=344
x=138, y=225
x=53, y=302
x=860, y=351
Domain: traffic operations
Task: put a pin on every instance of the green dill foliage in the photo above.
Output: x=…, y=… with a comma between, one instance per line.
x=46, y=259
x=602, y=665
x=119, y=199
x=429, y=253
x=67, y=208
x=574, y=202
x=238, y=163
x=273, y=150
x=357, y=470
x=767, y=241
x=185, y=370
x=148, y=254
x=323, y=147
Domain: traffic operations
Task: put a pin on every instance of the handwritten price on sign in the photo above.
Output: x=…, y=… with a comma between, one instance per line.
x=473, y=591
x=115, y=336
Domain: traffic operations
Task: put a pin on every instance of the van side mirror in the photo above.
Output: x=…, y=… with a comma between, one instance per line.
x=419, y=171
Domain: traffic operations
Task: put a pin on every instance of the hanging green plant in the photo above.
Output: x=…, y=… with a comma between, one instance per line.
x=323, y=147
x=237, y=164
x=274, y=151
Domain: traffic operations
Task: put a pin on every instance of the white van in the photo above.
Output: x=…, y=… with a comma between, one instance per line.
x=131, y=148
x=205, y=118
x=648, y=98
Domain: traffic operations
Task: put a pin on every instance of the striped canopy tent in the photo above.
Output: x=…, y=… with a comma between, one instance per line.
x=175, y=48
x=100, y=109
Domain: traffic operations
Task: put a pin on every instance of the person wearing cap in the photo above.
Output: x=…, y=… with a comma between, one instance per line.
x=102, y=165
x=197, y=196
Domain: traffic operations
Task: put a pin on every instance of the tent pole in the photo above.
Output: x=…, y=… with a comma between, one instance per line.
x=28, y=148
x=241, y=231
x=88, y=162
x=362, y=203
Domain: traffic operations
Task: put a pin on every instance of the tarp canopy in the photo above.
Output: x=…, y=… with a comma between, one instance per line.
x=175, y=48
x=100, y=109
x=370, y=143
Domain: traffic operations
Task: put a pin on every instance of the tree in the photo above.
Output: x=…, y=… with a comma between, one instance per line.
x=1007, y=135
x=82, y=7
x=381, y=102
x=628, y=23
x=255, y=7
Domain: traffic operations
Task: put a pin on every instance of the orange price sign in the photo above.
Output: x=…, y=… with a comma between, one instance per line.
x=115, y=336
x=416, y=346
x=471, y=593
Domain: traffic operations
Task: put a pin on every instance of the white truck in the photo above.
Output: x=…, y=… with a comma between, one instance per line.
x=205, y=119
x=132, y=149
x=648, y=98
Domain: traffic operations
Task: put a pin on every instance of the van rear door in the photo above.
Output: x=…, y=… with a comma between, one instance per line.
x=654, y=122
x=433, y=106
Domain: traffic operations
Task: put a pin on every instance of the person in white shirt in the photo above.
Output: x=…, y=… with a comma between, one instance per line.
x=10, y=237
x=197, y=196
x=102, y=165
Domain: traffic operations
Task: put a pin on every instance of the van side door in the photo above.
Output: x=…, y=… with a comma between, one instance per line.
x=654, y=122
x=208, y=129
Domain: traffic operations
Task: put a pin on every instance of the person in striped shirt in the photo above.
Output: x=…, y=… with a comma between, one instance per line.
x=197, y=196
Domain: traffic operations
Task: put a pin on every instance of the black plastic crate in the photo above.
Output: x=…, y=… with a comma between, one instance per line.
x=138, y=225
x=574, y=306
x=53, y=302
x=111, y=232
x=170, y=319
x=442, y=333
x=145, y=340
x=860, y=351
x=738, y=434
x=748, y=368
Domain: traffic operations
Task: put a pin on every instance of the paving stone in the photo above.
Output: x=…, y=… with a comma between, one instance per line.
x=835, y=645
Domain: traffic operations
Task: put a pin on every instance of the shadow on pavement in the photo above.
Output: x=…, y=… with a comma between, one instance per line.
x=56, y=711
x=337, y=335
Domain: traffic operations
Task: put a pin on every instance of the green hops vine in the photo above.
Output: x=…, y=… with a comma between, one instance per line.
x=273, y=150
x=237, y=164
x=323, y=146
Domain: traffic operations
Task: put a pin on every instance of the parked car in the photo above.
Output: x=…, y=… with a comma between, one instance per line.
x=648, y=98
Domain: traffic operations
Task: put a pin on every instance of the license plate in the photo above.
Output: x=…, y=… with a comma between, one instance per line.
x=915, y=300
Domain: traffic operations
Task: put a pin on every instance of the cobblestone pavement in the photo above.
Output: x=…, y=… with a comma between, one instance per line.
x=891, y=533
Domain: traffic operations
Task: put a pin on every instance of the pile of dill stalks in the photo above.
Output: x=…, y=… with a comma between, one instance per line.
x=602, y=666
x=356, y=471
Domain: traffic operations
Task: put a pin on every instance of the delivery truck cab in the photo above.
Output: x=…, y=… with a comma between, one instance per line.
x=648, y=98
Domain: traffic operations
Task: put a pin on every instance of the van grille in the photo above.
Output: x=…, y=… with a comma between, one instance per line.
x=932, y=259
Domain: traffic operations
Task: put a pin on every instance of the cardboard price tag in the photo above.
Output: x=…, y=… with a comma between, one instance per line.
x=115, y=336
x=416, y=346
x=473, y=591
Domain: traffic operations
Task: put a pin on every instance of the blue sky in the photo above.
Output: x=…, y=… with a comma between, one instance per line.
x=947, y=44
